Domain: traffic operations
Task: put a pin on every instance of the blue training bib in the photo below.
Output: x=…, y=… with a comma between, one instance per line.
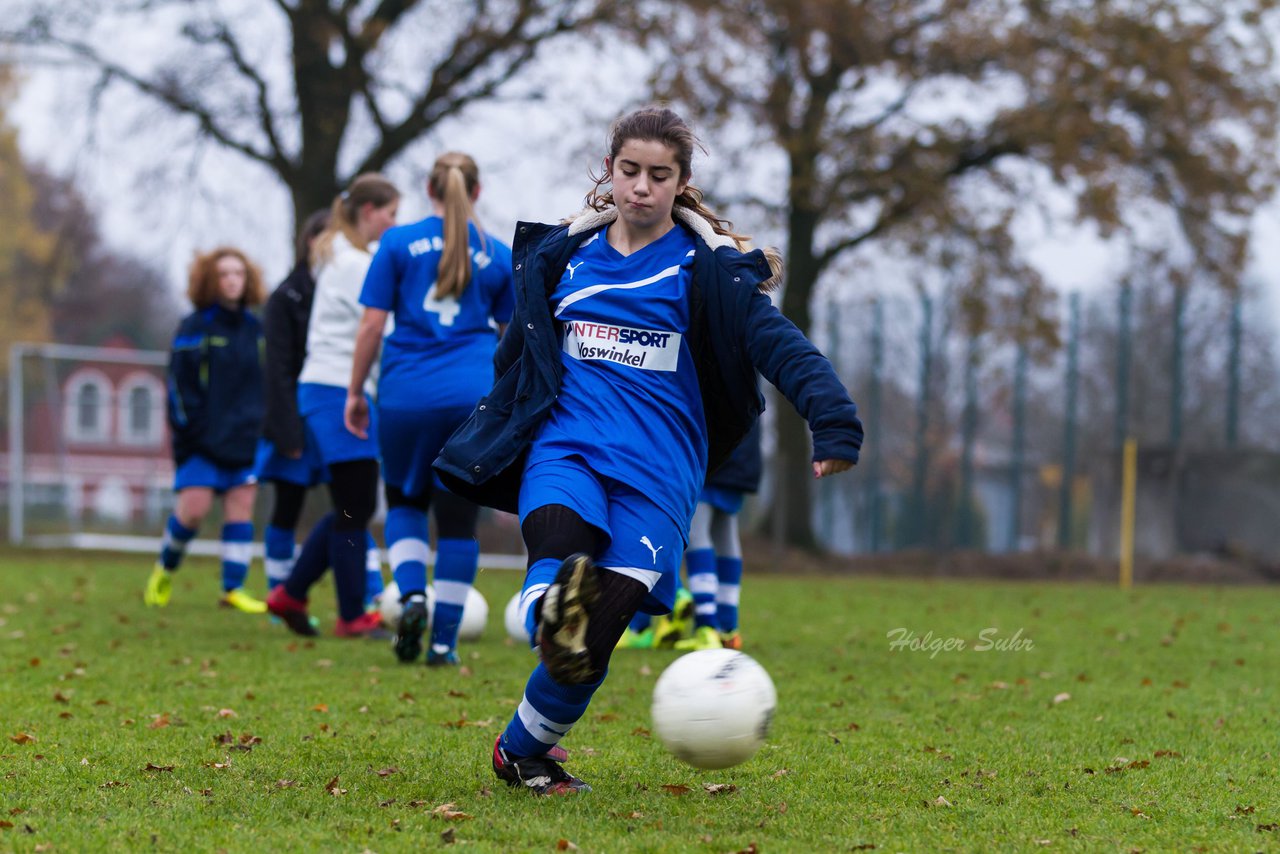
x=441, y=351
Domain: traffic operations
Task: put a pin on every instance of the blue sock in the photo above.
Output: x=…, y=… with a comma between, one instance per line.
x=729, y=573
x=348, y=553
x=546, y=714
x=279, y=545
x=373, y=572
x=406, y=533
x=456, y=563
x=312, y=561
x=174, y=544
x=536, y=582
x=237, y=551
x=701, y=566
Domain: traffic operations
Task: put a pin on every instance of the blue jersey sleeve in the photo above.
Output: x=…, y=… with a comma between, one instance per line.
x=380, y=282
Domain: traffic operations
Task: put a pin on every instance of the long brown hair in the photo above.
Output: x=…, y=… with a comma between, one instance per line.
x=202, y=278
x=345, y=212
x=453, y=181
x=311, y=229
x=656, y=123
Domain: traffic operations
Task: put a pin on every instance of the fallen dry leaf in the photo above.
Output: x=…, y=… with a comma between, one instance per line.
x=332, y=788
x=781, y=772
x=227, y=713
x=22, y=738
x=1061, y=698
x=387, y=772
x=447, y=835
x=5, y=825
x=941, y=802
x=720, y=788
x=565, y=845
x=320, y=707
x=151, y=766
x=286, y=784
x=159, y=721
x=675, y=789
x=113, y=784
x=448, y=812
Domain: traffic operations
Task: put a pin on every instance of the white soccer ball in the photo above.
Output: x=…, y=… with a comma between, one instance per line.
x=475, y=613
x=389, y=605
x=515, y=626
x=712, y=708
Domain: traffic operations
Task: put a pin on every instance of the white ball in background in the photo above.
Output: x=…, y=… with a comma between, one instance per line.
x=475, y=613
x=515, y=626
x=389, y=605
x=712, y=708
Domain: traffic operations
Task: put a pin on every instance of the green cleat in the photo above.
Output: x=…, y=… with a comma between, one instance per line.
x=159, y=587
x=242, y=601
x=636, y=640
x=704, y=637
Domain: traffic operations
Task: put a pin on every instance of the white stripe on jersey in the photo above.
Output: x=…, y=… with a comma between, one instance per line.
x=596, y=289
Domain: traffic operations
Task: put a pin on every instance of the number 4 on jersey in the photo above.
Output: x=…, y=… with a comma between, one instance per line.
x=447, y=308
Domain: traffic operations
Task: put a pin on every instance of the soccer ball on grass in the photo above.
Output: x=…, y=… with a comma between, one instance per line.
x=712, y=708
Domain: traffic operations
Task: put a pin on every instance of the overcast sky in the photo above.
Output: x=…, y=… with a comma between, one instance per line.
x=534, y=159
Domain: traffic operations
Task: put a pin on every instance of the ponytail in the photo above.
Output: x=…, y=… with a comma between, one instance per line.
x=454, y=179
x=344, y=213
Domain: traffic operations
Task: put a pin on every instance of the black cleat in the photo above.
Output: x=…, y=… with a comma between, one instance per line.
x=413, y=622
x=562, y=626
x=541, y=775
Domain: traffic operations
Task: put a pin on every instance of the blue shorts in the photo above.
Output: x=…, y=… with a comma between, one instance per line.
x=202, y=471
x=642, y=541
x=411, y=440
x=321, y=407
x=725, y=500
x=308, y=470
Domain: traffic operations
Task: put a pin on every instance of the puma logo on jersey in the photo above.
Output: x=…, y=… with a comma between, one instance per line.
x=647, y=544
x=572, y=268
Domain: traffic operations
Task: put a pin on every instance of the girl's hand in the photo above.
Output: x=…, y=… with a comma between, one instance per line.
x=824, y=468
x=356, y=415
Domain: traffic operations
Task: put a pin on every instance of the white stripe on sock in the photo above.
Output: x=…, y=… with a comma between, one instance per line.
x=409, y=549
x=703, y=582
x=234, y=551
x=728, y=594
x=540, y=726
x=452, y=592
x=527, y=598
x=277, y=569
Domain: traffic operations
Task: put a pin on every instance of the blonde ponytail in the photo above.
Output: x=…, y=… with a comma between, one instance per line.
x=454, y=179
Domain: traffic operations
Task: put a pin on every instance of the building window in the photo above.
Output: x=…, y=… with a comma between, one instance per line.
x=88, y=407
x=141, y=416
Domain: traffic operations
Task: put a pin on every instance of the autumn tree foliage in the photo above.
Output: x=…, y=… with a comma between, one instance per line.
x=925, y=129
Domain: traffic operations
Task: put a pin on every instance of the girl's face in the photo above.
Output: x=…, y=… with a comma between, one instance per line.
x=646, y=180
x=376, y=220
x=232, y=277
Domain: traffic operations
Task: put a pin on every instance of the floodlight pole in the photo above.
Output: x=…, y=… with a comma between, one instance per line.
x=17, y=476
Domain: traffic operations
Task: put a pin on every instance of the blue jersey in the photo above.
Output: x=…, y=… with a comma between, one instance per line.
x=629, y=402
x=441, y=352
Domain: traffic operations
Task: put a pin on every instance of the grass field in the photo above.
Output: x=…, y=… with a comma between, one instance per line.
x=1109, y=721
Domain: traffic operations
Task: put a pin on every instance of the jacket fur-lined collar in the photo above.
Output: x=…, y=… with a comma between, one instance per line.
x=589, y=219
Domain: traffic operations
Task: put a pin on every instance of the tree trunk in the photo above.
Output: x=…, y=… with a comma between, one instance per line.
x=794, y=474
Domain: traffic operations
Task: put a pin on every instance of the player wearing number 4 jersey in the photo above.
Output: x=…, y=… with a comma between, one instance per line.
x=629, y=370
x=449, y=286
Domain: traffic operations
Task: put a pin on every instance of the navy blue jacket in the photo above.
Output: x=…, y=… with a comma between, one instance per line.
x=734, y=330
x=741, y=472
x=285, y=320
x=215, y=387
